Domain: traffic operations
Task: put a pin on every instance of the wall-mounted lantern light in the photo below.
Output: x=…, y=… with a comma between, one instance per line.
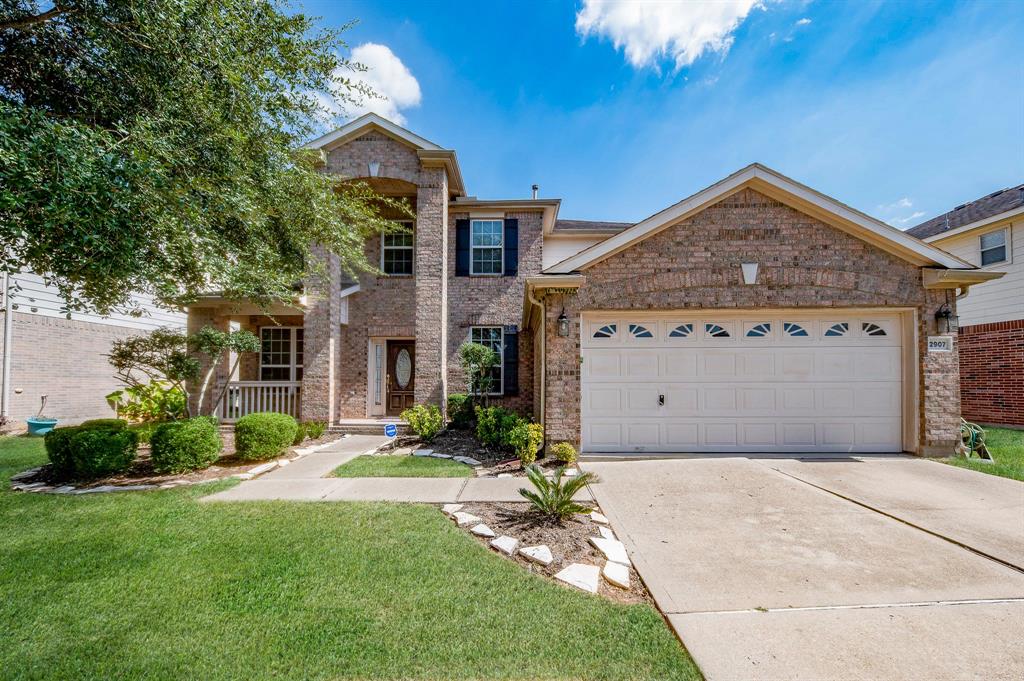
x=749, y=272
x=563, y=324
x=944, y=317
x=374, y=168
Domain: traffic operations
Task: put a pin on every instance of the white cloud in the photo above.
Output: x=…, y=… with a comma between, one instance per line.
x=803, y=22
x=651, y=31
x=895, y=213
x=387, y=76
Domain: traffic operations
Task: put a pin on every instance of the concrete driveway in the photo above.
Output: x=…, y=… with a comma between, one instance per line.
x=859, y=568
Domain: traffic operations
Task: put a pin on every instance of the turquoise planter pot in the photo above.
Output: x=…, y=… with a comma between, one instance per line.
x=40, y=427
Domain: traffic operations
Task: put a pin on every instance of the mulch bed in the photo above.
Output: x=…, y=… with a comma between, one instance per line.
x=141, y=471
x=464, y=443
x=568, y=541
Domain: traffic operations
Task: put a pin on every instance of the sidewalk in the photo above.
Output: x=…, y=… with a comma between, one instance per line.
x=305, y=480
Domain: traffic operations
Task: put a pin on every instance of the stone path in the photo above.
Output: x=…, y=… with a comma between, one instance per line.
x=305, y=480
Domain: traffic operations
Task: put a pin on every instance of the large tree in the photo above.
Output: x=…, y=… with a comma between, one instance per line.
x=151, y=146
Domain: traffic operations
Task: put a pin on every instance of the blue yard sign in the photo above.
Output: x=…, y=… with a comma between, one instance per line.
x=390, y=430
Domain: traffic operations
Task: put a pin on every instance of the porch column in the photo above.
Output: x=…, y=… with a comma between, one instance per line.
x=220, y=320
x=940, y=383
x=562, y=371
x=432, y=287
x=321, y=340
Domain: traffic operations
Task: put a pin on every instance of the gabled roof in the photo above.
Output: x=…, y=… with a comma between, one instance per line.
x=781, y=188
x=370, y=120
x=965, y=216
x=590, y=227
x=430, y=154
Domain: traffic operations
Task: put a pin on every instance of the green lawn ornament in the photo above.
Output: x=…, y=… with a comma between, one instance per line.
x=972, y=441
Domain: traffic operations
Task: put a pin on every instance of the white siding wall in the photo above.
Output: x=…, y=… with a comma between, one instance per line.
x=34, y=297
x=994, y=301
x=558, y=248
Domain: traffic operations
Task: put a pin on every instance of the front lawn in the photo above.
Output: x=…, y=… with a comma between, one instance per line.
x=156, y=585
x=368, y=466
x=1006, y=446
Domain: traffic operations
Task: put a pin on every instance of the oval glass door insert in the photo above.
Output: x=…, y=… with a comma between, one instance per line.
x=403, y=368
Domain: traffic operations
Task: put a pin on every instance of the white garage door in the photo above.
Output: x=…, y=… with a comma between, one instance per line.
x=727, y=383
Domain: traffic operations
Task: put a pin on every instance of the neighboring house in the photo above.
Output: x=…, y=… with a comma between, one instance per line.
x=755, y=315
x=64, y=358
x=989, y=233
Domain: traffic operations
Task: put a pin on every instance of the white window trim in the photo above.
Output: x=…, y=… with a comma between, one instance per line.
x=501, y=248
x=293, y=351
x=501, y=356
x=412, y=231
x=1006, y=248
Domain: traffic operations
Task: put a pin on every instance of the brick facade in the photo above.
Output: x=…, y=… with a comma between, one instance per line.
x=992, y=372
x=805, y=263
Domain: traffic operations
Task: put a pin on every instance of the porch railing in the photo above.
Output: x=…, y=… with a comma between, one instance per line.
x=247, y=397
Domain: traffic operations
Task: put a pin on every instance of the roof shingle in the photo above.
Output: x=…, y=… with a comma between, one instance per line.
x=985, y=207
x=590, y=226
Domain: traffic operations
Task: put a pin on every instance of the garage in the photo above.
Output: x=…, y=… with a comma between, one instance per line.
x=760, y=381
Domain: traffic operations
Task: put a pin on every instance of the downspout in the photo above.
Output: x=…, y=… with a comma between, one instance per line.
x=5, y=390
x=543, y=351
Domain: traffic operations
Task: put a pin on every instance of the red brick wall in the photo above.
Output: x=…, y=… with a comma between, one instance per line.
x=695, y=264
x=992, y=372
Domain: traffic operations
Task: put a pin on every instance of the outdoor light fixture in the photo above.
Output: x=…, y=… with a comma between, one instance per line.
x=945, y=314
x=374, y=168
x=563, y=324
x=749, y=272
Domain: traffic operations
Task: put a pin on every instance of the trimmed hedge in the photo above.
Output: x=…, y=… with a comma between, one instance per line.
x=91, y=451
x=460, y=410
x=180, y=446
x=425, y=420
x=264, y=435
x=495, y=424
x=564, y=452
x=113, y=424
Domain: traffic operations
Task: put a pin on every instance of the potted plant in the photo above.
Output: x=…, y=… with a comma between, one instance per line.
x=39, y=424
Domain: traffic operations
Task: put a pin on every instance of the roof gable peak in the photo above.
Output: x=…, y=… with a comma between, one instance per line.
x=367, y=122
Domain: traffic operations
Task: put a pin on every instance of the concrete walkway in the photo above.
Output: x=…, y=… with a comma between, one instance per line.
x=306, y=480
x=886, y=567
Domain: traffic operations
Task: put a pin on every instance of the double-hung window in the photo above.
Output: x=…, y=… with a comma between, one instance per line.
x=281, y=353
x=396, y=252
x=492, y=337
x=486, y=241
x=993, y=248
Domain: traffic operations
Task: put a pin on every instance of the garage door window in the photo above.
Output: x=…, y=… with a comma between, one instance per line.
x=837, y=330
x=640, y=331
x=681, y=331
x=606, y=331
x=759, y=330
x=716, y=331
x=794, y=329
x=871, y=329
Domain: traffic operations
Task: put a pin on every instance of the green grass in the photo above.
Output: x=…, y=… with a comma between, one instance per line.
x=367, y=466
x=1006, y=446
x=155, y=585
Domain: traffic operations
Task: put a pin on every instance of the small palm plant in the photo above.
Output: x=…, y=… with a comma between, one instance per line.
x=553, y=498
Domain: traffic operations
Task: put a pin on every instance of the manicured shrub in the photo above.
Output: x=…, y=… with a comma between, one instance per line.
x=300, y=434
x=495, y=424
x=180, y=446
x=91, y=451
x=111, y=424
x=264, y=435
x=564, y=452
x=315, y=429
x=144, y=430
x=425, y=420
x=460, y=410
x=526, y=439
x=554, y=498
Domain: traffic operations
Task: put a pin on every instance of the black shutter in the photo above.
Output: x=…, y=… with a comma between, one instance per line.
x=462, y=248
x=511, y=342
x=511, y=247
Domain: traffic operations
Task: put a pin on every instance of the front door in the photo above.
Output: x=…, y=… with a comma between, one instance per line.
x=401, y=376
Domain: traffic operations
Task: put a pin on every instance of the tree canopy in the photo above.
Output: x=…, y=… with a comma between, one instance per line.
x=151, y=147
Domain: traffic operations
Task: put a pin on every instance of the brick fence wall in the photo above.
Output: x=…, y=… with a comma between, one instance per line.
x=992, y=372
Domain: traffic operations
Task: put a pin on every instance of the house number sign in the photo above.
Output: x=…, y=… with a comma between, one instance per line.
x=940, y=344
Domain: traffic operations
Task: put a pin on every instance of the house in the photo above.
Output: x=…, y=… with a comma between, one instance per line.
x=755, y=315
x=989, y=233
x=46, y=350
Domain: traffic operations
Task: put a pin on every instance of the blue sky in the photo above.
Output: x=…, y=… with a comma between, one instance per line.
x=902, y=110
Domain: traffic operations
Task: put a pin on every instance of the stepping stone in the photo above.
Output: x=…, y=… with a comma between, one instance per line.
x=28, y=487
x=538, y=554
x=606, y=532
x=612, y=549
x=482, y=530
x=243, y=476
x=468, y=460
x=451, y=508
x=405, y=451
x=581, y=576
x=63, y=490
x=506, y=544
x=44, y=488
x=598, y=518
x=283, y=462
x=570, y=472
x=463, y=518
x=423, y=452
x=616, y=574
x=438, y=455
x=24, y=474
x=505, y=475
x=263, y=468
